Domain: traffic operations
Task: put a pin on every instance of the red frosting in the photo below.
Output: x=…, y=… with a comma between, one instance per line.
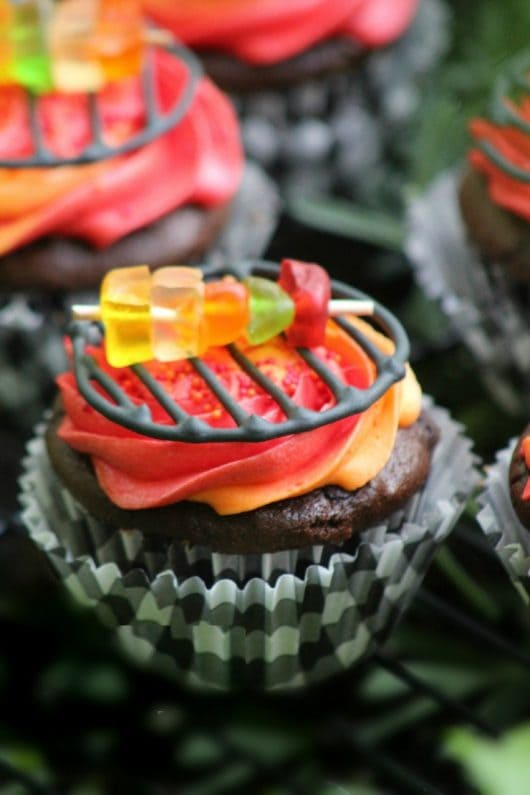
x=198, y=162
x=514, y=145
x=268, y=31
x=139, y=472
x=525, y=452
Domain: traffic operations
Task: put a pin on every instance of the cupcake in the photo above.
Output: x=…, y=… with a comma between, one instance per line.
x=505, y=510
x=259, y=517
x=325, y=90
x=468, y=238
x=179, y=195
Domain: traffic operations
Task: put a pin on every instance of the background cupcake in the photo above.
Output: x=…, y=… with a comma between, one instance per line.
x=178, y=196
x=326, y=91
x=505, y=511
x=468, y=240
x=251, y=563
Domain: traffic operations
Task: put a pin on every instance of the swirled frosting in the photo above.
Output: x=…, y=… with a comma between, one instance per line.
x=269, y=31
x=502, y=154
x=139, y=472
x=525, y=452
x=197, y=162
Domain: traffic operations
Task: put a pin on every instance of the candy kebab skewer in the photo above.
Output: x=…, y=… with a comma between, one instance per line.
x=172, y=314
x=72, y=45
x=92, y=43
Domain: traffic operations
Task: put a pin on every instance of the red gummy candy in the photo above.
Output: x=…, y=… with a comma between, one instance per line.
x=309, y=286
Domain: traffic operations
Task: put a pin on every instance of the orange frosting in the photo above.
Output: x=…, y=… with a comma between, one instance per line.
x=139, y=472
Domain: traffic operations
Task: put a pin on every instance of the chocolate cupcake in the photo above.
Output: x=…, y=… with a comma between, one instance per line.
x=494, y=193
x=278, y=530
x=469, y=241
x=65, y=225
x=181, y=195
x=326, y=91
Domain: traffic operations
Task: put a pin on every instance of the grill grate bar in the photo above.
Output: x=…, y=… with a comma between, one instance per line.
x=223, y=395
x=36, y=132
x=368, y=347
x=149, y=89
x=156, y=122
x=95, y=123
x=173, y=409
x=107, y=383
x=337, y=387
x=285, y=403
x=382, y=362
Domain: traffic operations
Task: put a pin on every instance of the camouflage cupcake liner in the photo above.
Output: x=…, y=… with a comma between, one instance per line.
x=480, y=303
x=501, y=525
x=308, y=615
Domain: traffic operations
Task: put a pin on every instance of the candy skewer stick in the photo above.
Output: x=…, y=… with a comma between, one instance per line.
x=350, y=306
x=171, y=314
x=336, y=307
x=93, y=312
x=158, y=37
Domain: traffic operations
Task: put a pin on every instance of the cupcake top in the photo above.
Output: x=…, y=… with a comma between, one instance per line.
x=520, y=477
x=198, y=162
x=494, y=192
x=136, y=470
x=264, y=32
x=502, y=142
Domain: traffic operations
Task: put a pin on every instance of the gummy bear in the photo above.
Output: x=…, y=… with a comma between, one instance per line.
x=118, y=40
x=271, y=309
x=310, y=288
x=226, y=312
x=126, y=314
x=74, y=64
x=177, y=293
x=31, y=66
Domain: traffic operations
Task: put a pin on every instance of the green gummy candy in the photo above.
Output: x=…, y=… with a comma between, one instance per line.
x=31, y=66
x=33, y=72
x=271, y=309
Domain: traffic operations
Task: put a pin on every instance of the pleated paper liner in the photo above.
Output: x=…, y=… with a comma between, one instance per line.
x=483, y=307
x=269, y=622
x=501, y=525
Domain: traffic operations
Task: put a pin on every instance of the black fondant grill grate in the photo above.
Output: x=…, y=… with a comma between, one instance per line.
x=504, y=111
x=119, y=408
x=156, y=121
